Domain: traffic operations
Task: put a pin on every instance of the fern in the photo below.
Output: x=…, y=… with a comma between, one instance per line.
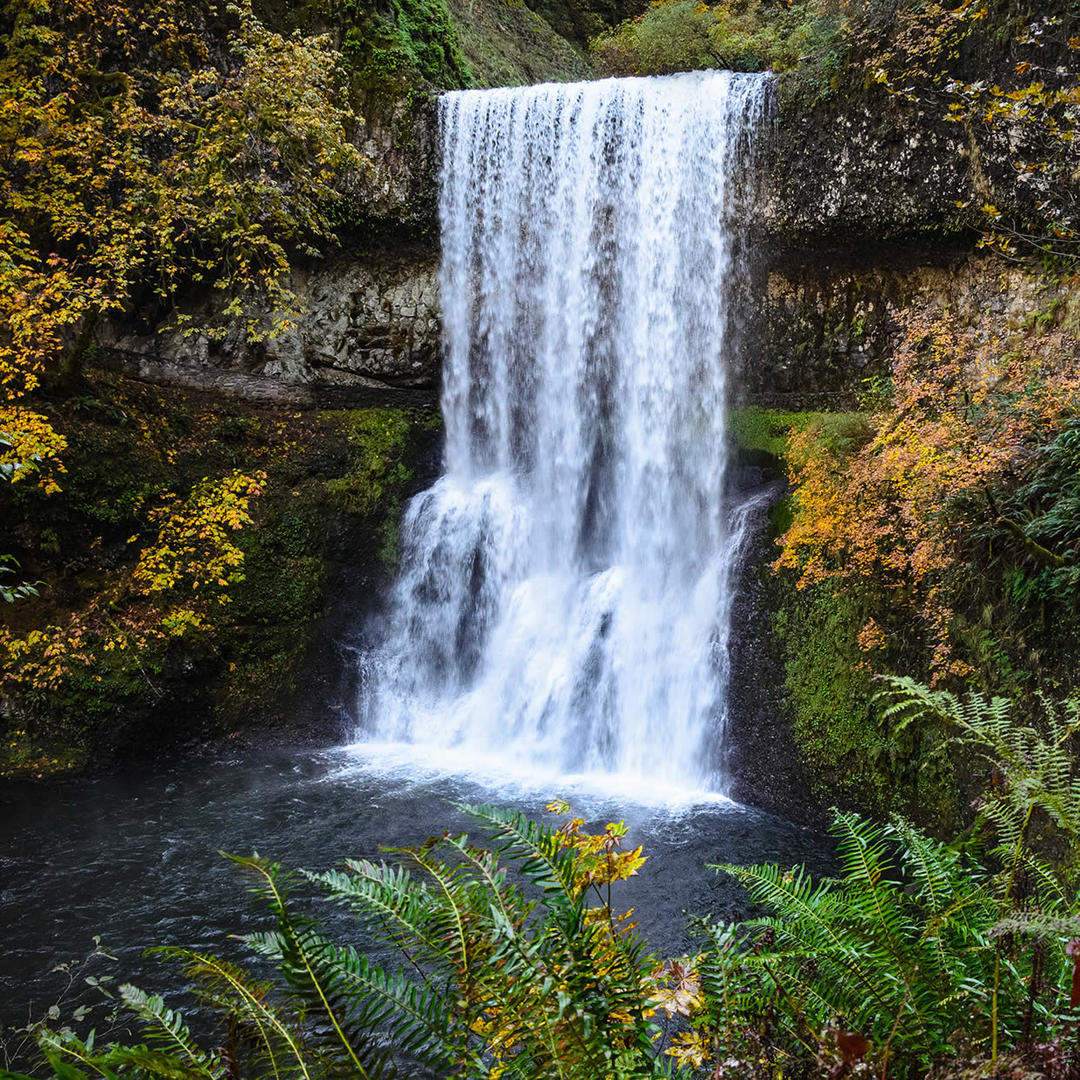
x=167, y=1027
x=913, y=956
x=895, y=947
x=1032, y=757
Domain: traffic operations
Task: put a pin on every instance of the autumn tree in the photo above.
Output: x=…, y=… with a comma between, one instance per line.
x=180, y=582
x=138, y=157
x=894, y=510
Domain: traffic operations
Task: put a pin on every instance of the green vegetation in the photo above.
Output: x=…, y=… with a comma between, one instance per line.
x=852, y=756
x=406, y=44
x=384, y=445
x=835, y=726
x=140, y=160
x=166, y=559
x=741, y=35
x=507, y=43
x=906, y=546
x=917, y=958
x=131, y=640
x=769, y=431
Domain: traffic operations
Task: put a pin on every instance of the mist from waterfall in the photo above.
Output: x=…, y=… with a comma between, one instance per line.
x=565, y=594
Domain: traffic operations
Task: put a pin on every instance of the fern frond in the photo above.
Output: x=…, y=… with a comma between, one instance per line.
x=417, y=1019
x=245, y=1000
x=399, y=906
x=532, y=845
x=170, y=1030
x=1037, y=924
x=302, y=952
x=934, y=867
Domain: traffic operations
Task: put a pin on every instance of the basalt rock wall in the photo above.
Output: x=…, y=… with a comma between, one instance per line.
x=829, y=326
x=368, y=323
x=855, y=219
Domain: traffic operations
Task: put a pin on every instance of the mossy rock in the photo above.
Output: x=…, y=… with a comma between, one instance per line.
x=336, y=484
x=856, y=757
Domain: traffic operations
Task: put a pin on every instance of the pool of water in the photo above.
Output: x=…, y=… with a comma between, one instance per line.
x=134, y=857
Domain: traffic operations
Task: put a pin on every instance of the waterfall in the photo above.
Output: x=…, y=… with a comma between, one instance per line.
x=565, y=594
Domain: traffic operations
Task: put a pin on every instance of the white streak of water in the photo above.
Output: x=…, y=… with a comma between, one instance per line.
x=566, y=588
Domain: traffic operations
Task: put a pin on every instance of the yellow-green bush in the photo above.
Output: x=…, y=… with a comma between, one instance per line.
x=742, y=35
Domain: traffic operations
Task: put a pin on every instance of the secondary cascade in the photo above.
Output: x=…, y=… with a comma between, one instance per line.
x=564, y=601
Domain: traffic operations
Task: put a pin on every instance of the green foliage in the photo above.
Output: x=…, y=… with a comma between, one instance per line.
x=741, y=35
x=770, y=430
x=1038, y=523
x=384, y=444
x=12, y=590
x=837, y=434
x=508, y=43
x=876, y=393
x=391, y=48
x=509, y=972
x=919, y=957
x=765, y=430
x=140, y=159
x=669, y=38
x=1018, y=572
x=1031, y=756
x=899, y=961
x=131, y=444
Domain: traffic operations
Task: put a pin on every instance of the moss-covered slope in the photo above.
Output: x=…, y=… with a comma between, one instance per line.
x=332, y=497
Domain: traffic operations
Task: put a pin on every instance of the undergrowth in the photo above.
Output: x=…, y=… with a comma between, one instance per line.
x=919, y=957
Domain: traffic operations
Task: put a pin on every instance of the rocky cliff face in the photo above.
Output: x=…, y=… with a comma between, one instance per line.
x=369, y=323
x=866, y=170
x=865, y=211
x=856, y=218
x=830, y=325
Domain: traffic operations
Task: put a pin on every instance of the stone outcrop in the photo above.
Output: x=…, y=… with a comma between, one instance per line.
x=827, y=326
x=369, y=323
x=867, y=208
x=866, y=171
x=855, y=218
x=395, y=195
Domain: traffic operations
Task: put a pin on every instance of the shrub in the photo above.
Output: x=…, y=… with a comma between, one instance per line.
x=919, y=958
x=742, y=35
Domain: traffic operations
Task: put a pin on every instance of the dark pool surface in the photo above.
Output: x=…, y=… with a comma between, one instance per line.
x=134, y=857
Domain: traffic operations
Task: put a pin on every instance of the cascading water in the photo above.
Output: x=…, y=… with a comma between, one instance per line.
x=566, y=588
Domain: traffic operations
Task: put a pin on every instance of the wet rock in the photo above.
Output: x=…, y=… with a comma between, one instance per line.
x=368, y=322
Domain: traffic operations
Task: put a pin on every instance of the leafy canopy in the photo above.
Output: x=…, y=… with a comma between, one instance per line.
x=136, y=158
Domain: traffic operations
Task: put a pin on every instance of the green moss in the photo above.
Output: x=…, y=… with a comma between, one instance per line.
x=770, y=431
x=381, y=473
x=765, y=430
x=384, y=444
x=507, y=44
x=830, y=696
x=377, y=469
x=407, y=42
x=857, y=758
